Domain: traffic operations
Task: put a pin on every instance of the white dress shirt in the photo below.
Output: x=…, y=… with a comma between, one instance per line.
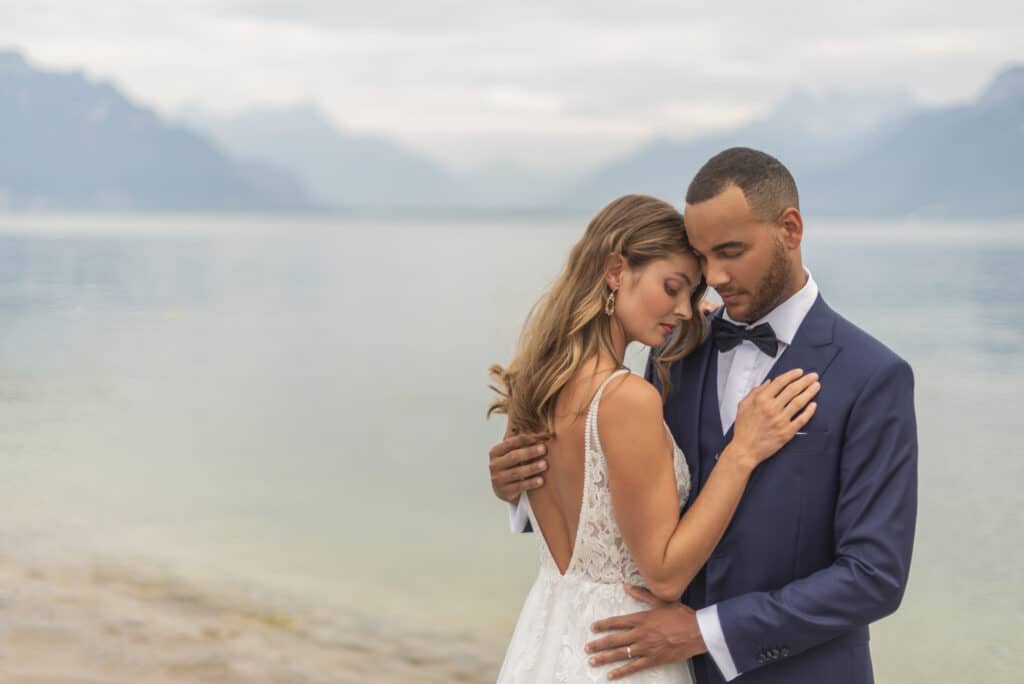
x=740, y=370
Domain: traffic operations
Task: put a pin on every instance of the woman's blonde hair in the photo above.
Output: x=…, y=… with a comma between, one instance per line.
x=568, y=325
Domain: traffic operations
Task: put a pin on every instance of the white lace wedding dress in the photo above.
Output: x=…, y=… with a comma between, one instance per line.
x=554, y=625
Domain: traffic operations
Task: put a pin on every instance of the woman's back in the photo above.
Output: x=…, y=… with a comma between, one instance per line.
x=581, y=573
x=556, y=506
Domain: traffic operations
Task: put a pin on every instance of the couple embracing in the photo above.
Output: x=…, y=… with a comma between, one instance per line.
x=747, y=508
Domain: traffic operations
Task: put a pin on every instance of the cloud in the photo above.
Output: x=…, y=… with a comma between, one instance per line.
x=470, y=81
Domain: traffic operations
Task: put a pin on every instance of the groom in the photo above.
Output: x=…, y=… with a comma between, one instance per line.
x=820, y=545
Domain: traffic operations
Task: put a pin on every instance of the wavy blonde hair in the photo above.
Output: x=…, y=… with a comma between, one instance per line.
x=568, y=325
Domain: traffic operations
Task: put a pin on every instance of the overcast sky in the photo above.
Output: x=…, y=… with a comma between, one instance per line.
x=547, y=84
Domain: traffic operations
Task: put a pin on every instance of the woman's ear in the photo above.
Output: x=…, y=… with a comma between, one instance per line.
x=614, y=266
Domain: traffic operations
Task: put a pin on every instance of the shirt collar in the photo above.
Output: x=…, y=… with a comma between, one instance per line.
x=786, y=318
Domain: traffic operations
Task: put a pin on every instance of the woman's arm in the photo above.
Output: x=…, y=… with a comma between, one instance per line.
x=669, y=551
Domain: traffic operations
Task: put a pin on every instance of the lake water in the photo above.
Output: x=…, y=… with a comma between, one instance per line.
x=290, y=412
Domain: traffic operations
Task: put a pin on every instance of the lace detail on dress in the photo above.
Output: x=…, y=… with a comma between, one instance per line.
x=600, y=554
x=554, y=625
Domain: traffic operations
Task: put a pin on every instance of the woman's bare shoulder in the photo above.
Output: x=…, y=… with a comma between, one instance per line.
x=630, y=408
x=630, y=392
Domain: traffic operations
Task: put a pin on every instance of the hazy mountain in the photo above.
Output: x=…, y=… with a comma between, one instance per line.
x=341, y=170
x=963, y=161
x=346, y=170
x=860, y=155
x=68, y=142
x=807, y=132
x=72, y=143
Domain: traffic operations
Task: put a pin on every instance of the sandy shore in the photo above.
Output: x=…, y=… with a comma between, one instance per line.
x=111, y=624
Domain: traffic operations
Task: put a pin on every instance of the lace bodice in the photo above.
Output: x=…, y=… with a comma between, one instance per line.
x=599, y=552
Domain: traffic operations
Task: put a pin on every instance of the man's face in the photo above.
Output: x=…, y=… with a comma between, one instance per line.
x=742, y=256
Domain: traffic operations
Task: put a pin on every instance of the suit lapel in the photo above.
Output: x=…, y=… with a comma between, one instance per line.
x=691, y=388
x=812, y=349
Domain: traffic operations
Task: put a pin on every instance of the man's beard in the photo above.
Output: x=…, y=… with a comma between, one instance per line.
x=772, y=288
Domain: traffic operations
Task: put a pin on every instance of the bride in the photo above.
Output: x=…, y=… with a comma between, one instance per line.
x=608, y=514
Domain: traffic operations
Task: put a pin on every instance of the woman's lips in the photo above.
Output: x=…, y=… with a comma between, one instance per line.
x=667, y=328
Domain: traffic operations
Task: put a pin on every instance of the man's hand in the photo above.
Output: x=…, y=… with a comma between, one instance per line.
x=516, y=465
x=668, y=633
x=708, y=307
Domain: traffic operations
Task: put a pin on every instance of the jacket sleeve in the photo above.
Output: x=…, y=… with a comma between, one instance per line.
x=649, y=374
x=876, y=510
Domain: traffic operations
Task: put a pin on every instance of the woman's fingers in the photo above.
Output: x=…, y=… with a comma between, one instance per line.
x=804, y=417
x=795, y=387
x=801, y=400
x=780, y=383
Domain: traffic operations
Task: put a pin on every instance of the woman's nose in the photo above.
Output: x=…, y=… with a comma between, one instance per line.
x=684, y=310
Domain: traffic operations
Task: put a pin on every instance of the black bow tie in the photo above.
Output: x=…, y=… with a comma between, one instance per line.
x=728, y=335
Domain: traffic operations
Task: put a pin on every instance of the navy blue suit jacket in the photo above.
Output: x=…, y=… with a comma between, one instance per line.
x=820, y=545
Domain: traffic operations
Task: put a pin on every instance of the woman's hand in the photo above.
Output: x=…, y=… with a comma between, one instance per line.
x=771, y=415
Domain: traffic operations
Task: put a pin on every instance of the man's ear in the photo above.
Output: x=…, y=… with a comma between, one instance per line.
x=614, y=266
x=791, y=227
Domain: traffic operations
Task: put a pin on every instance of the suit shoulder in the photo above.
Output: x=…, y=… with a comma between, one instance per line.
x=871, y=354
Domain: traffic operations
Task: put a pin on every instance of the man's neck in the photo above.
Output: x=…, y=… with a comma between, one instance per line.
x=797, y=282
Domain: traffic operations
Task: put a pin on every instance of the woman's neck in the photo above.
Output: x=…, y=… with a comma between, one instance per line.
x=619, y=342
x=608, y=360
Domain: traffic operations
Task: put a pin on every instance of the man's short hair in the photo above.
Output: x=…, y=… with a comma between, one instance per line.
x=766, y=183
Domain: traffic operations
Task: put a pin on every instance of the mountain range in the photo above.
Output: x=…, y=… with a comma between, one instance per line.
x=72, y=143
x=346, y=170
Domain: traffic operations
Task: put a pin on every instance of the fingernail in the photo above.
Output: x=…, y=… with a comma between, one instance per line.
x=542, y=450
x=593, y=661
x=542, y=465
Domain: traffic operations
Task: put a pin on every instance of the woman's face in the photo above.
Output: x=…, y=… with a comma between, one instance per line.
x=654, y=299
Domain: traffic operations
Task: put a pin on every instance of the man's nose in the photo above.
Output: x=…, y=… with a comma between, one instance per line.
x=714, y=274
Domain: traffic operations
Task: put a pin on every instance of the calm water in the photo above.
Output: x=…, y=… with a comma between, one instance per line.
x=298, y=405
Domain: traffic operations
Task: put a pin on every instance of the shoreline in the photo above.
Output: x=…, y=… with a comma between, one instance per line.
x=114, y=623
